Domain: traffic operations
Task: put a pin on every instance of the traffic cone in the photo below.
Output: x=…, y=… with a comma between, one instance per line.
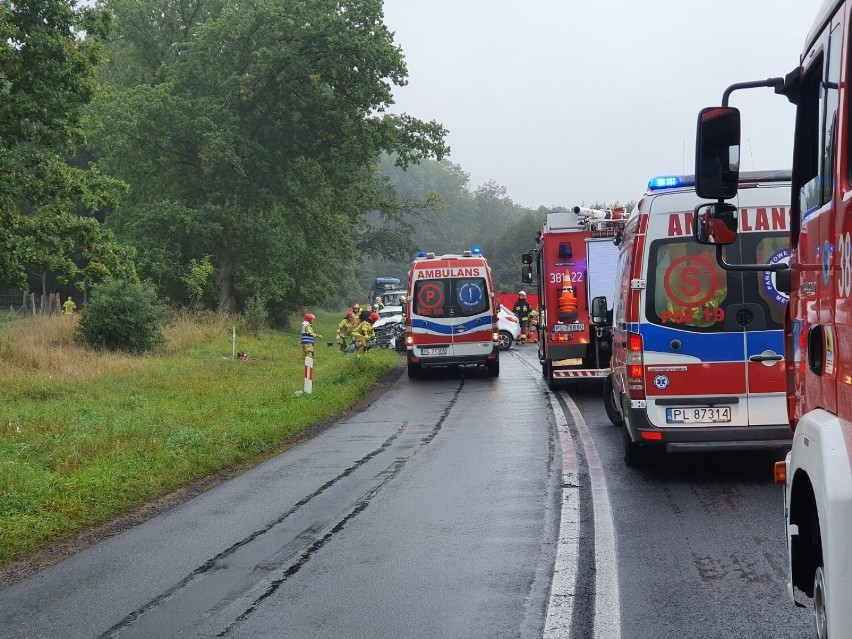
x=567, y=299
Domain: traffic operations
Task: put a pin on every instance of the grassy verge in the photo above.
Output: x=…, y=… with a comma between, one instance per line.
x=86, y=435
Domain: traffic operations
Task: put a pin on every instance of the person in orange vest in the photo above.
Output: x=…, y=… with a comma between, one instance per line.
x=522, y=309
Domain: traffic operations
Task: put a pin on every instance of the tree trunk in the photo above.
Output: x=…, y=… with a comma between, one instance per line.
x=225, y=276
x=44, y=285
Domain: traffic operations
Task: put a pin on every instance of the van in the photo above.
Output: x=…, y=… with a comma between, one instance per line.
x=698, y=351
x=451, y=313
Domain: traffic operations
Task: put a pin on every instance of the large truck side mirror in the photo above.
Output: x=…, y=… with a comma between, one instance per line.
x=717, y=153
x=527, y=275
x=599, y=310
x=527, y=258
x=715, y=224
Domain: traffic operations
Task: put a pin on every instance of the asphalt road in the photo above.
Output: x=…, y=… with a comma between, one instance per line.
x=437, y=513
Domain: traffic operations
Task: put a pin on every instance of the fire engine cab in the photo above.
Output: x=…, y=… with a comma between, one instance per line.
x=817, y=472
x=573, y=266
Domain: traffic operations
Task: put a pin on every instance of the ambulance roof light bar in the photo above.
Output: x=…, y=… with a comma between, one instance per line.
x=670, y=182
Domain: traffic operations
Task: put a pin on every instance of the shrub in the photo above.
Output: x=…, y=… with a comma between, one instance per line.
x=256, y=313
x=124, y=316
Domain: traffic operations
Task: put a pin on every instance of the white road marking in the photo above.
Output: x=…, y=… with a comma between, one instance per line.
x=560, y=607
x=607, y=606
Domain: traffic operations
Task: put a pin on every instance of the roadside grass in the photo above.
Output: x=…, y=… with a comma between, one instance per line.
x=85, y=435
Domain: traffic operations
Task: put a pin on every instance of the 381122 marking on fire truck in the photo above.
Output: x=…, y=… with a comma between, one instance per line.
x=557, y=277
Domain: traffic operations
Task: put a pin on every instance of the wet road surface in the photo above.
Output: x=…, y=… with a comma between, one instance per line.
x=432, y=514
x=699, y=541
x=436, y=513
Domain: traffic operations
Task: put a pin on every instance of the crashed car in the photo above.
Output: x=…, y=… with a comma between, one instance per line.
x=509, y=328
x=390, y=328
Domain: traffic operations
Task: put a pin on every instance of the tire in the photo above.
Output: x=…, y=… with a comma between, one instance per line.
x=635, y=455
x=820, y=612
x=551, y=381
x=413, y=371
x=504, y=341
x=493, y=368
x=611, y=403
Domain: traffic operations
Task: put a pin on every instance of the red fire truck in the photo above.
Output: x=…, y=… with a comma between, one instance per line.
x=817, y=473
x=573, y=267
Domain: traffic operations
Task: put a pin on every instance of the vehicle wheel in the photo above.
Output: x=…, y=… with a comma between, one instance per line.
x=413, y=370
x=551, y=381
x=504, y=341
x=820, y=613
x=493, y=368
x=611, y=403
x=635, y=455
x=544, y=365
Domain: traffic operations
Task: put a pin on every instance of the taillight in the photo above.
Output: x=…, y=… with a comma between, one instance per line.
x=635, y=367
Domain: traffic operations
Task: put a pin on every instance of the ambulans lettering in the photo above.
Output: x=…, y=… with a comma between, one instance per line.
x=750, y=220
x=438, y=273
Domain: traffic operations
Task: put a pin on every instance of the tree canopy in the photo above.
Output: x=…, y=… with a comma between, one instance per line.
x=249, y=132
x=48, y=56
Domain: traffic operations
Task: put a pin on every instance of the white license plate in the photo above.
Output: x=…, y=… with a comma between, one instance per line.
x=441, y=350
x=569, y=328
x=705, y=415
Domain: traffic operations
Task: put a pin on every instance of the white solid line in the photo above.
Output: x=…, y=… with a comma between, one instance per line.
x=560, y=606
x=607, y=607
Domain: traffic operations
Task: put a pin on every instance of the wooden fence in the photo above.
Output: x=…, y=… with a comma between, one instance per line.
x=31, y=304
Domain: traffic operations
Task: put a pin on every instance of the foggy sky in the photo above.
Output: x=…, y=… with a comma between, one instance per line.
x=567, y=101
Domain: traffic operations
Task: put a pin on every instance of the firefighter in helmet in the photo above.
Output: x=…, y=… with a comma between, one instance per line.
x=365, y=334
x=523, y=309
x=344, y=331
x=309, y=336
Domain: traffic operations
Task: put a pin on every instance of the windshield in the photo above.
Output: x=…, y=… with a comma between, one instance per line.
x=690, y=291
x=451, y=297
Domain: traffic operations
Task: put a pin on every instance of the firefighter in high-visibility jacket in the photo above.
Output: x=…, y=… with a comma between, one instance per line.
x=365, y=333
x=344, y=331
x=309, y=336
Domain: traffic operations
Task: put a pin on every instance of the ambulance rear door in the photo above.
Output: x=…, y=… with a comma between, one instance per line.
x=763, y=239
x=693, y=347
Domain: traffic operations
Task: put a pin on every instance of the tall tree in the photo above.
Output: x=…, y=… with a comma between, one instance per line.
x=257, y=143
x=48, y=53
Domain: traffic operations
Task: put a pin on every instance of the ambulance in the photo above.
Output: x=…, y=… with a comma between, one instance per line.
x=451, y=313
x=698, y=351
x=573, y=269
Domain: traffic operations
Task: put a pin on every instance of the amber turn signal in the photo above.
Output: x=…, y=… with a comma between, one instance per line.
x=780, y=472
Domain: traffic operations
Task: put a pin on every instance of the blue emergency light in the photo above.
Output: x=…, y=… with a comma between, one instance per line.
x=670, y=181
x=476, y=250
x=421, y=254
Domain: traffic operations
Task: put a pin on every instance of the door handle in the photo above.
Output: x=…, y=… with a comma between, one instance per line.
x=766, y=358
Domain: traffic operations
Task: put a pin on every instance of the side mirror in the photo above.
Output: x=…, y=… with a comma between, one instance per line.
x=527, y=258
x=599, y=310
x=527, y=275
x=717, y=153
x=715, y=224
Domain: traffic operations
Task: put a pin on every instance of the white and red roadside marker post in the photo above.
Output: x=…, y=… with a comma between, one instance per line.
x=309, y=375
